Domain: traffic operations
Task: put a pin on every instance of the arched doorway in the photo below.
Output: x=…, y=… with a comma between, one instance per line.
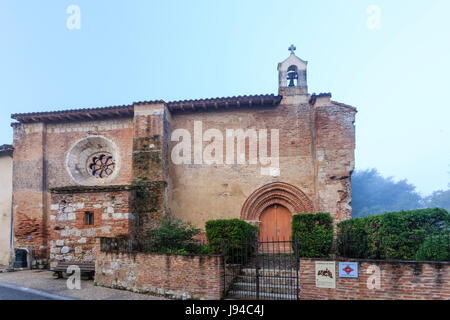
x=276, y=224
x=272, y=207
x=280, y=193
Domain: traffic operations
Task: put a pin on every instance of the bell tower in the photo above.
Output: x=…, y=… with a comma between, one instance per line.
x=292, y=75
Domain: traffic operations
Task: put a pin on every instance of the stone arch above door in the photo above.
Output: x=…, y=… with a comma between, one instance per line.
x=280, y=193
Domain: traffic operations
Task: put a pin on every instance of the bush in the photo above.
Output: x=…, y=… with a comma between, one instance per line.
x=238, y=236
x=394, y=235
x=435, y=248
x=314, y=233
x=173, y=236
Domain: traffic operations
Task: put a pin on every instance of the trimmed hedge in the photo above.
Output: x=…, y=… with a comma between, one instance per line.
x=238, y=235
x=435, y=248
x=314, y=233
x=394, y=235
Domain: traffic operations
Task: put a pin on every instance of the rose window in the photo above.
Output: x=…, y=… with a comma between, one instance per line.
x=102, y=165
x=93, y=161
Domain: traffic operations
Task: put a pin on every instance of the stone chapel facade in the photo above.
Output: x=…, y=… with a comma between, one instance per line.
x=109, y=172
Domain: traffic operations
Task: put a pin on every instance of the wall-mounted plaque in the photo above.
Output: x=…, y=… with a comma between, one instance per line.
x=326, y=274
x=348, y=269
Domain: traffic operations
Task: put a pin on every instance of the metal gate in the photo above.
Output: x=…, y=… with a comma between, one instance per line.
x=261, y=270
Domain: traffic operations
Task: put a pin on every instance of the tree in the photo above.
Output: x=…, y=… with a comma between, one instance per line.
x=438, y=199
x=374, y=194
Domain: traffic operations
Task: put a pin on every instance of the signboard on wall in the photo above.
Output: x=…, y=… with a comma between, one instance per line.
x=326, y=274
x=348, y=269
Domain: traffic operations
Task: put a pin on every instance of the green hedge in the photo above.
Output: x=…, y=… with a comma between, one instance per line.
x=435, y=248
x=173, y=236
x=238, y=235
x=314, y=233
x=394, y=235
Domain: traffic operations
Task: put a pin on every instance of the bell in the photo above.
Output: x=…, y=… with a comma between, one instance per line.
x=291, y=83
x=292, y=75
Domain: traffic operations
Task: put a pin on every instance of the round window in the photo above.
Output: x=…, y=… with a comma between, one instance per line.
x=101, y=165
x=93, y=160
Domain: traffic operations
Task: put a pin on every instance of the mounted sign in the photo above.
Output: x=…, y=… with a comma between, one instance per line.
x=348, y=269
x=326, y=274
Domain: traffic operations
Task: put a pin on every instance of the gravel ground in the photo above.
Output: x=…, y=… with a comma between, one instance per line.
x=44, y=280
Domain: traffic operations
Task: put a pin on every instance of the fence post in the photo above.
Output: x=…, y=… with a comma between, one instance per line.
x=297, y=263
x=222, y=244
x=257, y=269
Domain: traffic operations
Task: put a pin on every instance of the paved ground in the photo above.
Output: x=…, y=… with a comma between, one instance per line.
x=44, y=281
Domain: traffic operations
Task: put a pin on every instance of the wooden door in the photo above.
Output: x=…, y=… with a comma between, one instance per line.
x=276, y=224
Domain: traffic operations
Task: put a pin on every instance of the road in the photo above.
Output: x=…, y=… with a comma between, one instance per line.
x=12, y=292
x=43, y=283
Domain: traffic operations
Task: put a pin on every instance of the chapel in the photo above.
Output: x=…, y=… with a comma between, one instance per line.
x=116, y=171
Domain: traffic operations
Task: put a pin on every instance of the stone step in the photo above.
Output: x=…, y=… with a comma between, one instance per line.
x=290, y=281
x=266, y=288
x=241, y=294
x=270, y=272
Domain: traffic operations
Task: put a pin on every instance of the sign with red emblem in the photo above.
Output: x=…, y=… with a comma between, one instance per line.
x=348, y=269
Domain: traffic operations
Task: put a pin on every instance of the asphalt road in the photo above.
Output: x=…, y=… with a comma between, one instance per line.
x=12, y=292
x=43, y=283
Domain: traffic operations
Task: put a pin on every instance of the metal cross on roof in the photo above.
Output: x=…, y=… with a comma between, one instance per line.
x=292, y=48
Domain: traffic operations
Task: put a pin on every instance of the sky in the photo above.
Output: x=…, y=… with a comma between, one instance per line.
x=390, y=59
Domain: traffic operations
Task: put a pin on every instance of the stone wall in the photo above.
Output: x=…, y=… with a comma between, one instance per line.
x=70, y=239
x=401, y=280
x=174, y=276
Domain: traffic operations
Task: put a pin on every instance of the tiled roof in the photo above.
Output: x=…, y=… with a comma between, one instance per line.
x=343, y=105
x=128, y=110
x=314, y=97
x=216, y=103
x=6, y=149
x=75, y=114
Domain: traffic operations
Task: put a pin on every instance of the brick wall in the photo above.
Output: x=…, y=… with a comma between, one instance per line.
x=402, y=280
x=316, y=155
x=149, y=165
x=39, y=164
x=175, y=276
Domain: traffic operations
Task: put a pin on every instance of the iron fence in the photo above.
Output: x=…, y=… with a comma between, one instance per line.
x=124, y=245
x=261, y=270
x=119, y=245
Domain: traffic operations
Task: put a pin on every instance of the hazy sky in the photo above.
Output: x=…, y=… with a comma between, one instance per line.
x=125, y=51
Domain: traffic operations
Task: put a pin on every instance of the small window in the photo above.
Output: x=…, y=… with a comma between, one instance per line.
x=89, y=218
